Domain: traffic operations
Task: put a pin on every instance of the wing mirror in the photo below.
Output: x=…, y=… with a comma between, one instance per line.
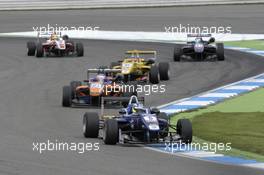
x=151, y=61
x=122, y=112
x=211, y=40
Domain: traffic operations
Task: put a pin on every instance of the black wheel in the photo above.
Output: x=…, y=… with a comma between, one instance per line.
x=79, y=49
x=90, y=125
x=220, y=51
x=113, y=64
x=65, y=37
x=74, y=85
x=164, y=71
x=40, y=51
x=177, y=54
x=110, y=132
x=66, y=96
x=184, y=129
x=154, y=75
x=31, y=47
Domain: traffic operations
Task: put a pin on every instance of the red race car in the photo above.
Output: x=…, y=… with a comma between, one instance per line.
x=54, y=45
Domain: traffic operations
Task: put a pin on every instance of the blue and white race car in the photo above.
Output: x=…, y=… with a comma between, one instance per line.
x=136, y=124
x=200, y=49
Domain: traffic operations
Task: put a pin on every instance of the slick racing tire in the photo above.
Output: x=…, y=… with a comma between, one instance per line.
x=90, y=125
x=111, y=134
x=184, y=129
x=40, y=51
x=79, y=49
x=220, y=52
x=177, y=54
x=66, y=96
x=31, y=47
x=154, y=75
x=164, y=71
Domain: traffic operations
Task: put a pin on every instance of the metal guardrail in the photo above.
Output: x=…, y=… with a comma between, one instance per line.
x=90, y=4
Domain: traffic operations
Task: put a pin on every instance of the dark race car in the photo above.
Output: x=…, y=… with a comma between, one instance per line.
x=136, y=124
x=54, y=45
x=199, y=49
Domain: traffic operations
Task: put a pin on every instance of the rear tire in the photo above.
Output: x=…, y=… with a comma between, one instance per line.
x=66, y=96
x=154, y=75
x=40, y=51
x=177, y=54
x=220, y=52
x=111, y=132
x=90, y=125
x=184, y=129
x=164, y=71
x=79, y=49
x=31, y=46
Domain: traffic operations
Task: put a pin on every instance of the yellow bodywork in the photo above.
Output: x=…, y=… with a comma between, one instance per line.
x=135, y=63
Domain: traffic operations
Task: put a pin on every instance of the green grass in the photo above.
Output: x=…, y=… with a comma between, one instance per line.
x=253, y=44
x=244, y=131
x=239, y=120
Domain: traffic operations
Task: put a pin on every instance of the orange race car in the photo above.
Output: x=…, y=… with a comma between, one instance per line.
x=90, y=91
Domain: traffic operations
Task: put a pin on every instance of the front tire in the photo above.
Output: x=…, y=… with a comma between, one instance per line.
x=111, y=132
x=79, y=49
x=154, y=75
x=184, y=129
x=40, y=51
x=31, y=46
x=177, y=54
x=164, y=71
x=66, y=96
x=220, y=52
x=90, y=125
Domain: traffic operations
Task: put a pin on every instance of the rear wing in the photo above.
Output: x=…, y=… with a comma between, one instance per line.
x=119, y=99
x=199, y=35
x=102, y=71
x=136, y=53
x=47, y=34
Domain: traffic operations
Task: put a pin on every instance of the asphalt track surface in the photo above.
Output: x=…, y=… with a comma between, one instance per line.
x=242, y=19
x=31, y=111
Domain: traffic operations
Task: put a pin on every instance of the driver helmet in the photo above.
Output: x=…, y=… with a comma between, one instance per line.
x=100, y=78
x=134, y=108
x=53, y=36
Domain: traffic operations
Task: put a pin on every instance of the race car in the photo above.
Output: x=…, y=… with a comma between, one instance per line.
x=141, y=66
x=199, y=49
x=136, y=124
x=53, y=44
x=90, y=91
